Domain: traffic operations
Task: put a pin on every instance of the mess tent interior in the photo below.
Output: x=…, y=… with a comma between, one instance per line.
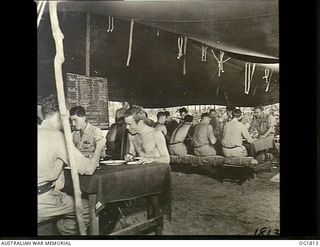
x=165, y=53
x=228, y=50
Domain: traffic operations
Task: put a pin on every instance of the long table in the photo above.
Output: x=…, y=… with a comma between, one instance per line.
x=125, y=182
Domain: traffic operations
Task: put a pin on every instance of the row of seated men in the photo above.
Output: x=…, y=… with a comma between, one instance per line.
x=209, y=137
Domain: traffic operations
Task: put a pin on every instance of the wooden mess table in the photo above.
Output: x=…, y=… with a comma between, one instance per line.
x=126, y=182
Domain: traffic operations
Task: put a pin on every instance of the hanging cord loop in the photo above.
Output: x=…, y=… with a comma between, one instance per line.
x=267, y=76
x=180, y=45
x=110, y=24
x=248, y=74
x=204, y=53
x=220, y=61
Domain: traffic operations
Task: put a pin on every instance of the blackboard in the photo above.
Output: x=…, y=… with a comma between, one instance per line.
x=92, y=94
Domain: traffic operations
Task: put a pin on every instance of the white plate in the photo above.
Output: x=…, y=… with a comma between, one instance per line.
x=132, y=163
x=113, y=162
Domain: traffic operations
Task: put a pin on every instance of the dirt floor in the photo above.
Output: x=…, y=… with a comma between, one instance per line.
x=204, y=206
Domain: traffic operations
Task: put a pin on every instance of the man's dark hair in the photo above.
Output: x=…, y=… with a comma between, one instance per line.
x=203, y=115
x=230, y=108
x=137, y=112
x=49, y=106
x=260, y=107
x=188, y=118
x=78, y=111
x=160, y=114
x=236, y=113
x=183, y=109
x=167, y=113
x=212, y=110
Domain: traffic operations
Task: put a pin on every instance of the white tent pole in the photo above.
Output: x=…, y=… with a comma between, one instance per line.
x=58, y=61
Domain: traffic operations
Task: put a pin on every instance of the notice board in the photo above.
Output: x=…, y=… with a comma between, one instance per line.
x=91, y=93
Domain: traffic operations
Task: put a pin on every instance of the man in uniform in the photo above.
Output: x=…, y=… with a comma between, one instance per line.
x=52, y=156
x=86, y=136
x=203, y=137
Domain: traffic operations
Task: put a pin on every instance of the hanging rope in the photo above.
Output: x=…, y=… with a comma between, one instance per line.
x=40, y=9
x=184, y=57
x=248, y=76
x=180, y=44
x=220, y=61
x=204, y=53
x=130, y=42
x=267, y=76
x=110, y=24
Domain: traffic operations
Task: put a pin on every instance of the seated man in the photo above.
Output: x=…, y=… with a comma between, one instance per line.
x=111, y=139
x=52, y=155
x=233, y=133
x=160, y=124
x=182, y=111
x=177, y=145
x=85, y=136
x=144, y=141
x=264, y=126
x=203, y=137
x=217, y=129
x=171, y=125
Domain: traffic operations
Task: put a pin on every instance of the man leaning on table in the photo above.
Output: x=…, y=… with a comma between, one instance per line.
x=145, y=142
x=52, y=156
x=85, y=136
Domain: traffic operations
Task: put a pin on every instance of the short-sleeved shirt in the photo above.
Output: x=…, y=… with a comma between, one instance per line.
x=217, y=128
x=171, y=126
x=233, y=133
x=86, y=142
x=180, y=133
x=263, y=124
x=52, y=154
x=203, y=135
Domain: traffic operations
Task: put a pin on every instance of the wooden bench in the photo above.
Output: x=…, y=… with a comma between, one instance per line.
x=237, y=169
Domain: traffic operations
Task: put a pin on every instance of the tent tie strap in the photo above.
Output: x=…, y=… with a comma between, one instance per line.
x=184, y=57
x=110, y=24
x=40, y=8
x=267, y=76
x=204, y=53
x=220, y=61
x=180, y=45
x=158, y=32
x=130, y=42
x=248, y=74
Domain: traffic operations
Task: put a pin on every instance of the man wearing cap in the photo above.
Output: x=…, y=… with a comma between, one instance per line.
x=182, y=111
x=233, y=133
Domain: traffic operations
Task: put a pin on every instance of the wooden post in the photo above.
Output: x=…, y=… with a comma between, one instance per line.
x=88, y=45
x=58, y=61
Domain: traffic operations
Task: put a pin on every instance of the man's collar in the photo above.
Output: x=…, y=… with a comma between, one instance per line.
x=85, y=129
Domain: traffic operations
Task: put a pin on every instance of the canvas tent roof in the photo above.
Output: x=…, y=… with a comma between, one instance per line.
x=247, y=31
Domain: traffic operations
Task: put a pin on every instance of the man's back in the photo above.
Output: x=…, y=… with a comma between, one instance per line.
x=51, y=154
x=201, y=134
x=180, y=133
x=233, y=133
